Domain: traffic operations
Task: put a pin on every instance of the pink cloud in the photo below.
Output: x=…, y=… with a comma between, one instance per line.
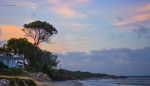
x=10, y=31
x=82, y=1
x=139, y=15
x=142, y=17
x=68, y=11
x=59, y=2
x=144, y=8
x=133, y=20
x=55, y=47
x=67, y=8
x=55, y=2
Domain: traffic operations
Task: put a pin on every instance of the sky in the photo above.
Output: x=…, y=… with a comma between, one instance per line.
x=104, y=36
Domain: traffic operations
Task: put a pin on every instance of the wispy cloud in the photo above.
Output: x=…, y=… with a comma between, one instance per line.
x=69, y=2
x=144, y=8
x=136, y=16
x=133, y=20
x=136, y=19
x=82, y=1
x=19, y=4
x=68, y=11
x=67, y=8
x=78, y=26
x=28, y=5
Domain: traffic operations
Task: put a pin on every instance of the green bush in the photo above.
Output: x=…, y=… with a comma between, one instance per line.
x=31, y=69
x=3, y=66
x=15, y=70
x=49, y=70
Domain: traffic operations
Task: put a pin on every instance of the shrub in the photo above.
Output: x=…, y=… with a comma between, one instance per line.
x=3, y=66
x=15, y=70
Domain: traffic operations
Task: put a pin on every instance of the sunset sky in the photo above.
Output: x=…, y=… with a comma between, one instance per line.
x=108, y=36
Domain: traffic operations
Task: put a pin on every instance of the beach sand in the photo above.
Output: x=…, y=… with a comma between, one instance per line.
x=61, y=83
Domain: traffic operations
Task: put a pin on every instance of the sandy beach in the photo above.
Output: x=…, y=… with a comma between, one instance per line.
x=61, y=83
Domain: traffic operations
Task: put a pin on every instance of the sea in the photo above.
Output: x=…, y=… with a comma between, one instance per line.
x=129, y=81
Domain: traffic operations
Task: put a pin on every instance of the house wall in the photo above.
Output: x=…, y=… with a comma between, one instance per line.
x=10, y=63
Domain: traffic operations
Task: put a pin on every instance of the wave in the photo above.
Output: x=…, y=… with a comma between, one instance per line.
x=131, y=81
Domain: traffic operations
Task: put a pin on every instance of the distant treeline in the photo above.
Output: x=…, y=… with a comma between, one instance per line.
x=63, y=74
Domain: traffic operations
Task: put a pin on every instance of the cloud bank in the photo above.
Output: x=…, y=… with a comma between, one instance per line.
x=121, y=61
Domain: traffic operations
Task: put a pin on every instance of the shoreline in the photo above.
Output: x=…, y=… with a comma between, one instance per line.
x=67, y=83
x=61, y=83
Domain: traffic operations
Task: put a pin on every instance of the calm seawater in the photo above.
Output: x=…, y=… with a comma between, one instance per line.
x=130, y=81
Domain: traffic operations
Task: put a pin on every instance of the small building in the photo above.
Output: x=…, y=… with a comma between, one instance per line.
x=12, y=61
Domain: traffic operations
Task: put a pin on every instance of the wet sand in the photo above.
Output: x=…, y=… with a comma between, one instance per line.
x=61, y=83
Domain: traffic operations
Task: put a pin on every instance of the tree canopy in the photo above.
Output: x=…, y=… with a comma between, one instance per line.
x=39, y=31
x=32, y=53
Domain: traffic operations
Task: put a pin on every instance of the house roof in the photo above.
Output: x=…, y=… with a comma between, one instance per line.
x=11, y=58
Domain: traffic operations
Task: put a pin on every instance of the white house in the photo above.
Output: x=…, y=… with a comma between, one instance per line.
x=11, y=61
